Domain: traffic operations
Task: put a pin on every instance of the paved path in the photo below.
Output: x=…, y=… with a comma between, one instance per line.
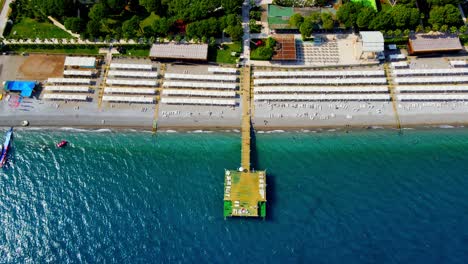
x=4, y=16
x=59, y=25
x=245, y=25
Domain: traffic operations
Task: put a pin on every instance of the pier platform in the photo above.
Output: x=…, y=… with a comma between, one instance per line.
x=245, y=193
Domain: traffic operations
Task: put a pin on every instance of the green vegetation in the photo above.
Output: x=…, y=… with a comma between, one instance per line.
x=367, y=3
x=138, y=18
x=223, y=55
x=438, y=15
x=315, y=20
x=300, y=3
x=136, y=52
x=36, y=49
x=30, y=28
x=264, y=51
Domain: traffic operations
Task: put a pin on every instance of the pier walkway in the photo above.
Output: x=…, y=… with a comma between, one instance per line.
x=245, y=152
x=245, y=189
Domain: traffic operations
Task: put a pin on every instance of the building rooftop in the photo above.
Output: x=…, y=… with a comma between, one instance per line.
x=180, y=51
x=428, y=43
x=85, y=62
x=372, y=41
x=287, y=48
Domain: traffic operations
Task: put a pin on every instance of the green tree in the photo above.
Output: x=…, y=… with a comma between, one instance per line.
x=365, y=16
x=93, y=28
x=453, y=29
x=463, y=29
x=306, y=29
x=75, y=24
x=150, y=5
x=231, y=6
x=348, y=13
x=327, y=21
x=296, y=20
x=235, y=32
x=382, y=21
x=397, y=32
x=98, y=12
x=131, y=27
x=117, y=5
x=444, y=28
x=406, y=32
x=447, y=14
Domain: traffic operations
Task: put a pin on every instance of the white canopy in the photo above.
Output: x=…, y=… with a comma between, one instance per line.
x=129, y=99
x=133, y=74
x=207, y=85
x=201, y=101
x=322, y=97
x=78, y=73
x=321, y=89
x=131, y=82
x=329, y=81
x=71, y=97
x=279, y=74
x=428, y=88
x=372, y=41
x=85, y=62
x=69, y=80
x=58, y=88
x=450, y=71
x=432, y=97
x=441, y=79
x=199, y=93
x=226, y=78
x=130, y=66
x=222, y=70
x=129, y=90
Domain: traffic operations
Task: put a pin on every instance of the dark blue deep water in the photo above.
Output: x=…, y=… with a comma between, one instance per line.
x=128, y=197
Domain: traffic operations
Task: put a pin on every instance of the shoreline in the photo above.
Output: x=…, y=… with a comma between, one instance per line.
x=234, y=129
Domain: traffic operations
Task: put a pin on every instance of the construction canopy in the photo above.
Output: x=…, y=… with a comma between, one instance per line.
x=372, y=41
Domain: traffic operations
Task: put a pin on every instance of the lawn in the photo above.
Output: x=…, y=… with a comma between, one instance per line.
x=137, y=52
x=149, y=20
x=369, y=3
x=80, y=51
x=224, y=55
x=30, y=28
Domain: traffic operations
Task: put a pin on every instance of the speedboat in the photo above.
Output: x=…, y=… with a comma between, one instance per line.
x=62, y=144
x=6, y=147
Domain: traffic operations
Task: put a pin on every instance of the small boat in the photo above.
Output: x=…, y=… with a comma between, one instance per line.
x=62, y=144
x=6, y=147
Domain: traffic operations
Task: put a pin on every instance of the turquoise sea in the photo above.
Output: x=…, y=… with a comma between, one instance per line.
x=374, y=196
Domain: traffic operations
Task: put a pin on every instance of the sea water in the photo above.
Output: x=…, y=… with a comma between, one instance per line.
x=376, y=196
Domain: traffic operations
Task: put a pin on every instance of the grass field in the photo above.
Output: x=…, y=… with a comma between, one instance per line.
x=369, y=3
x=81, y=51
x=149, y=20
x=137, y=52
x=30, y=28
x=224, y=56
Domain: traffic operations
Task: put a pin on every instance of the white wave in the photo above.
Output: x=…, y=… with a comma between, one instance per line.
x=331, y=130
x=74, y=129
x=236, y=130
x=276, y=131
x=170, y=131
x=376, y=127
x=102, y=130
x=261, y=132
x=446, y=126
x=407, y=128
x=201, y=131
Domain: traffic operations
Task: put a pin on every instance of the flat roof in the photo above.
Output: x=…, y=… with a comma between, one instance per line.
x=180, y=51
x=287, y=50
x=87, y=62
x=427, y=43
x=372, y=41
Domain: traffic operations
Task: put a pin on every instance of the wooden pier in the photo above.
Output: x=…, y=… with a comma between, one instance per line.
x=245, y=189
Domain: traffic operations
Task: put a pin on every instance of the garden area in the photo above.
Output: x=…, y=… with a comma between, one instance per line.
x=31, y=28
x=262, y=49
x=224, y=54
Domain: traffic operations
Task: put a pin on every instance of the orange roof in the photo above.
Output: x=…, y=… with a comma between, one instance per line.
x=287, y=48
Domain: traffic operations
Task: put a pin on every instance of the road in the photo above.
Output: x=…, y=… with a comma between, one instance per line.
x=4, y=16
x=245, y=25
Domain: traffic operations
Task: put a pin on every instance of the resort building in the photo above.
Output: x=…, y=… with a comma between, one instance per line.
x=433, y=43
x=191, y=52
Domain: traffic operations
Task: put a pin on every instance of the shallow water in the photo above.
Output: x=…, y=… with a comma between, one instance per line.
x=374, y=196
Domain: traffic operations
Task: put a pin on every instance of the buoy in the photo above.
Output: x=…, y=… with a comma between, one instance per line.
x=241, y=168
x=25, y=123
